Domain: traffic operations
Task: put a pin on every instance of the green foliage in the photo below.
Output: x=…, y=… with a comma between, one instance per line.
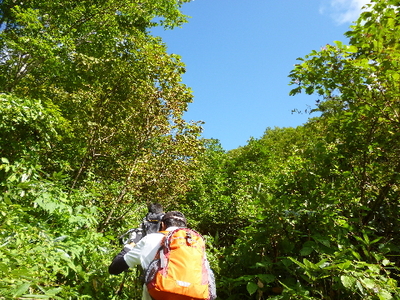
x=360, y=108
x=95, y=69
x=43, y=234
x=50, y=247
x=29, y=130
x=92, y=129
x=311, y=212
x=321, y=200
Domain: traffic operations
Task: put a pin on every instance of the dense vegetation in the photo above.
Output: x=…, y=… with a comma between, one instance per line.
x=91, y=130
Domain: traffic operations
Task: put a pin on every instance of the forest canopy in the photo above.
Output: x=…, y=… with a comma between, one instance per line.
x=92, y=130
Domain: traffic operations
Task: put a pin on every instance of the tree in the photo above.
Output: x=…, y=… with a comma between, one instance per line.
x=328, y=226
x=117, y=88
x=358, y=88
x=360, y=105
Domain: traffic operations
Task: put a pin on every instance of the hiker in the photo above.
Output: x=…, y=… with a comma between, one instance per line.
x=148, y=248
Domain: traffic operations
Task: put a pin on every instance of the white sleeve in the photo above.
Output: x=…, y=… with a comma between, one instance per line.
x=133, y=257
x=144, y=251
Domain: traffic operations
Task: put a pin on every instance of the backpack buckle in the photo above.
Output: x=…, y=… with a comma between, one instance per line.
x=189, y=238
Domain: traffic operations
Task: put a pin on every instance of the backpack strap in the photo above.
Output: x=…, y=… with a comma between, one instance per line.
x=158, y=254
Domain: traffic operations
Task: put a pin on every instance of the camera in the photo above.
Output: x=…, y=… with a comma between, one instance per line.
x=132, y=235
x=151, y=223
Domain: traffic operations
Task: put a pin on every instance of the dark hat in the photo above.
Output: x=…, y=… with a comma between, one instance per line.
x=176, y=215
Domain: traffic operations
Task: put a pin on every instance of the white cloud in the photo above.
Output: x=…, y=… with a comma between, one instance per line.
x=343, y=11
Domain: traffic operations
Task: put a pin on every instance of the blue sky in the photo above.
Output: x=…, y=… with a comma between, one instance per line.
x=239, y=53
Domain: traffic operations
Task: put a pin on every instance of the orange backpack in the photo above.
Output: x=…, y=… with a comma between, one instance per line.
x=180, y=269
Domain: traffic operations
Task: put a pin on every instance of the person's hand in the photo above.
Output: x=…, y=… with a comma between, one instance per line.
x=130, y=245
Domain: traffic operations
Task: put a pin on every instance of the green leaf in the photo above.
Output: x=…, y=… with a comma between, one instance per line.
x=306, y=251
x=384, y=295
x=339, y=44
x=309, y=264
x=54, y=291
x=374, y=268
x=345, y=265
x=385, y=262
x=7, y=199
x=22, y=289
x=37, y=296
x=352, y=49
x=322, y=240
x=369, y=283
x=251, y=287
x=310, y=90
x=266, y=278
x=396, y=76
x=297, y=262
x=295, y=91
x=356, y=255
x=347, y=281
x=323, y=263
